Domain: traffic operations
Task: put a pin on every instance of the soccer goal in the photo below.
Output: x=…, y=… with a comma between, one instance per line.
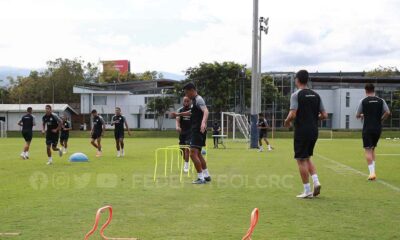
x=235, y=126
x=3, y=129
x=325, y=134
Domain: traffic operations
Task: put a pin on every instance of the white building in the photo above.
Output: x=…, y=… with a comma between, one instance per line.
x=12, y=113
x=131, y=97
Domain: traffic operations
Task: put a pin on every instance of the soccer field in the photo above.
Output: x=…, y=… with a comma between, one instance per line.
x=60, y=201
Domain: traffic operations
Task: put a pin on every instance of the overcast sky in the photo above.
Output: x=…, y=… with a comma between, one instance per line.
x=172, y=35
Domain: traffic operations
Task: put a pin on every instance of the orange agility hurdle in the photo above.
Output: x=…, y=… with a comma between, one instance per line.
x=253, y=223
x=96, y=224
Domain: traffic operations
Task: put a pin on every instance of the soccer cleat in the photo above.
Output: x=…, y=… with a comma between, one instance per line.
x=305, y=195
x=199, y=181
x=317, y=190
x=118, y=154
x=49, y=162
x=372, y=177
x=260, y=150
x=208, y=179
x=122, y=153
x=60, y=153
x=23, y=156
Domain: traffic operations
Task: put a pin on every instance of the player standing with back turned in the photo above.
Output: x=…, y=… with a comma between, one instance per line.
x=374, y=111
x=27, y=122
x=306, y=108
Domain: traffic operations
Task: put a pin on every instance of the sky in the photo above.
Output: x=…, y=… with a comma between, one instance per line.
x=173, y=35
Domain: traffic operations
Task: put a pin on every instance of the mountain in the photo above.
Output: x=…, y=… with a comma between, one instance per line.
x=6, y=71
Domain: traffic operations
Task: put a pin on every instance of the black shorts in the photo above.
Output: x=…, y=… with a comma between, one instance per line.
x=64, y=137
x=370, y=139
x=27, y=135
x=198, y=139
x=185, y=138
x=119, y=134
x=262, y=135
x=52, y=139
x=303, y=148
x=96, y=135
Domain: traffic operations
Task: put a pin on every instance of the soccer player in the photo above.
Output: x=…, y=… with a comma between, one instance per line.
x=51, y=126
x=374, y=111
x=216, y=131
x=184, y=128
x=199, y=117
x=263, y=127
x=306, y=108
x=98, y=128
x=119, y=121
x=64, y=136
x=27, y=122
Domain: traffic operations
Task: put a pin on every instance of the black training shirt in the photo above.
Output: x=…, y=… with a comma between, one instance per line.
x=373, y=108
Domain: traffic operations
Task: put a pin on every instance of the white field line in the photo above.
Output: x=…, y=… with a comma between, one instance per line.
x=388, y=154
x=395, y=188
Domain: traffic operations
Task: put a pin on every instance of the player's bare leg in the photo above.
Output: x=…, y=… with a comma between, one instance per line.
x=203, y=162
x=313, y=173
x=304, y=174
x=99, y=152
x=194, y=154
x=122, y=145
x=369, y=156
x=269, y=146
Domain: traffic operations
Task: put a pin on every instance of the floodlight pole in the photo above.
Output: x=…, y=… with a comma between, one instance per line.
x=254, y=80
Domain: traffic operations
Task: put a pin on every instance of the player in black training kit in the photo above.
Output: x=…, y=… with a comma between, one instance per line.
x=98, y=128
x=199, y=116
x=119, y=121
x=27, y=122
x=64, y=136
x=51, y=126
x=184, y=128
x=306, y=108
x=263, y=127
x=373, y=110
x=216, y=130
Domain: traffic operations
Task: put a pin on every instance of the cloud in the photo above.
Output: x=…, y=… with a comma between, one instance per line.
x=174, y=35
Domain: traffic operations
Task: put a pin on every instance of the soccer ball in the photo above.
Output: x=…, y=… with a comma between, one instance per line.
x=203, y=152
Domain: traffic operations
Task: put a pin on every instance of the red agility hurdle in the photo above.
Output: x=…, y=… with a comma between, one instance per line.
x=96, y=224
x=253, y=223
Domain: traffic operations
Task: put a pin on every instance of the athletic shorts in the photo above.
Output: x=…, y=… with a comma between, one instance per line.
x=262, y=135
x=64, y=137
x=303, y=148
x=27, y=135
x=52, y=139
x=185, y=138
x=119, y=134
x=370, y=139
x=198, y=139
x=96, y=135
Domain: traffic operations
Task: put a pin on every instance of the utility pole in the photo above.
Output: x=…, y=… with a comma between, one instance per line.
x=254, y=80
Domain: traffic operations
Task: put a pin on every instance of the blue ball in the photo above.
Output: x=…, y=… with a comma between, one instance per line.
x=78, y=157
x=203, y=152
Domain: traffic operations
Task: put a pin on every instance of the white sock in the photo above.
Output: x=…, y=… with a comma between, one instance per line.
x=269, y=147
x=27, y=154
x=315, y=179
x=186, y=164
x=307, y=188
x=261, y=147
x=50, y=159
x=371, y=168
x=200, y=176
x=206, y=173
x=373, y=162
x=118, y=152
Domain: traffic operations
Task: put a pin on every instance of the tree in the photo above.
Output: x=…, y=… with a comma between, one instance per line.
x=383, y=72
x=150, y=75
x=159, y=106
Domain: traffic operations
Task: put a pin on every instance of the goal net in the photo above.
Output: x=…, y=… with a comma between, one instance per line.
x=235, y=126
x=3, y=129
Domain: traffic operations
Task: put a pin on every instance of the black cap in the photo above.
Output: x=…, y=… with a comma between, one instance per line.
x=189, y=86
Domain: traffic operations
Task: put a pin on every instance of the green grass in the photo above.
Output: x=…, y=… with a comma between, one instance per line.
x=62, y=204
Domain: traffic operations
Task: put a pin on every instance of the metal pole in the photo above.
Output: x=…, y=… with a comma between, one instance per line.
x=254, y=80
x=259, y=72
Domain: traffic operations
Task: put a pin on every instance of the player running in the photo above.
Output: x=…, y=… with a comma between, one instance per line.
x=27, y=122
x=263, y=127
x=306, y=108
x=119, y=121
x=184, y=128
x=51, y=126
x=373, y=110
x=199, y=116
x=98, y=128
x=64, y=136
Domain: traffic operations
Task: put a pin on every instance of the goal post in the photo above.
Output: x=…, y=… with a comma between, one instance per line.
x=3, y=129
x=325, y=134
x=235, y=126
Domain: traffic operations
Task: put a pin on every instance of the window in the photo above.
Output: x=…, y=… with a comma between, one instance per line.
x=347, y=121
x=149, y=116
x=327, y=123
x=99, y=100
x=347, y=99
